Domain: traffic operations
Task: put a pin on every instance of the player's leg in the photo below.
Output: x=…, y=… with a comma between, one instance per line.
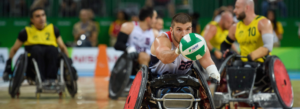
x=37, y=52
x=51, y=62
x=143, y=58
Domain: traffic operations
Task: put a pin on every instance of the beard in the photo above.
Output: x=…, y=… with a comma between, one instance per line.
x=241, y=16
x=174, y=37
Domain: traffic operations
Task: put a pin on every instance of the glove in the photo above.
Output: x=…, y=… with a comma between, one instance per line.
x=130, y=49
x=213, y=72
x=177, y=51
x=7, y=70
x=215, y=76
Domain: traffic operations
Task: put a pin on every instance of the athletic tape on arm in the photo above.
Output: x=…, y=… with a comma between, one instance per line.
x=268, y=41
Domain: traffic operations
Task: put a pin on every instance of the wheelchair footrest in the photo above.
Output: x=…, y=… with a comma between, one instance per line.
x=177, y=100
x=240, y=78
x=51, y=88
x=267, y=100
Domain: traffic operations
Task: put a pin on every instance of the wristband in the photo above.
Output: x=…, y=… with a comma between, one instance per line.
x=213, y=50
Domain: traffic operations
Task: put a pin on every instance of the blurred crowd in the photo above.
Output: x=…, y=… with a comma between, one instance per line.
x=86, y=30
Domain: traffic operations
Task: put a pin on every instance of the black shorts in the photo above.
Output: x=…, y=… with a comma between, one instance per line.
x=46, y=58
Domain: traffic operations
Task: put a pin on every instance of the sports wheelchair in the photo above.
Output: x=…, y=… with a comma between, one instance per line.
x=254, y=84
x=147, y=88
x=67, y=77
x=121, y=76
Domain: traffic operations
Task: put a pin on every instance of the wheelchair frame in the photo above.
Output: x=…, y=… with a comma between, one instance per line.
x=65, y=77
x=255, y=99
x=171, y=96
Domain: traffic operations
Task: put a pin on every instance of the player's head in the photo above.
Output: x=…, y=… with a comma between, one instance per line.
x=242, y=8
x=38, y=17
x=226, y=20
x=181, y=25
x=84, y=15
x=159, y=24
x=148, y=15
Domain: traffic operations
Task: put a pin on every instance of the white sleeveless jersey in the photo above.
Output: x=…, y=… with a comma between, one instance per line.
x=141, y=40
x=181, y=65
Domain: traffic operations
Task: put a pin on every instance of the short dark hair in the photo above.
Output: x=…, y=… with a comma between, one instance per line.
x=145, y=12
x=33, y=10
x=181, y=18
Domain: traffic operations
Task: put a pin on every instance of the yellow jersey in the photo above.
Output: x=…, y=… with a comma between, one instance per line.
x=219, y=37
x=45, y=36
x=249, y=37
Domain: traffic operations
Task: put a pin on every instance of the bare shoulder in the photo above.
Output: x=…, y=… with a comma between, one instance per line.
x=155, y=32
x=127, y=27
x=264, y=23
x=163, y=39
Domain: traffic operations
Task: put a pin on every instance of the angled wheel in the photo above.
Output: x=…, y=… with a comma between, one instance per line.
x=120, y=76
x=204, y=87
x=137, y=90
x=70, y=81
x=18, y=75
x=281, y=82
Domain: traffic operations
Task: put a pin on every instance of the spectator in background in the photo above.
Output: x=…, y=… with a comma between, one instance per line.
x=115, y=26
x=135, y=18
x=274, y=4
x=299, y=31
x=68, y=8
x=195, y=25
x=86, y=27
x=92, y=18
x=95, y=5
x=161, y=5
x=40, y=3
x=159, y=25
x=18, y=8
x=277, y=27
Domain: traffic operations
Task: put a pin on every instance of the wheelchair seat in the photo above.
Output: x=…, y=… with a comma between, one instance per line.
x=174, y=80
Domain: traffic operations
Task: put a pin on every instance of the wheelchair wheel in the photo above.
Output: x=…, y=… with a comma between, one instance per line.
x=205, y=87
x=69, y=77
x=120, y=76
x=137, y=90
x=281, y=82
x=18, y=76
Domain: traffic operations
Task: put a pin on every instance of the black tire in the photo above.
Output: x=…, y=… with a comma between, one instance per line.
x=18, y=75
x=205, y=85
x=120, y=76
x=70, y=82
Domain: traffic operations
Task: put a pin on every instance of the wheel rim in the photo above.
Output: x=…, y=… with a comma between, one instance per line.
x=283, y=83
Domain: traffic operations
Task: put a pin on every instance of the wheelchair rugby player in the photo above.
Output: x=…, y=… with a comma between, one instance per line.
x=41, y=59
x=254, y=78
x=173, y=80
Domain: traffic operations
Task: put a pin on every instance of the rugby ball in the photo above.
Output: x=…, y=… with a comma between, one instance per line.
x=192, y=46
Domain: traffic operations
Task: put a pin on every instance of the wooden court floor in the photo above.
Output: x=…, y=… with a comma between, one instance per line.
x=92, y=94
